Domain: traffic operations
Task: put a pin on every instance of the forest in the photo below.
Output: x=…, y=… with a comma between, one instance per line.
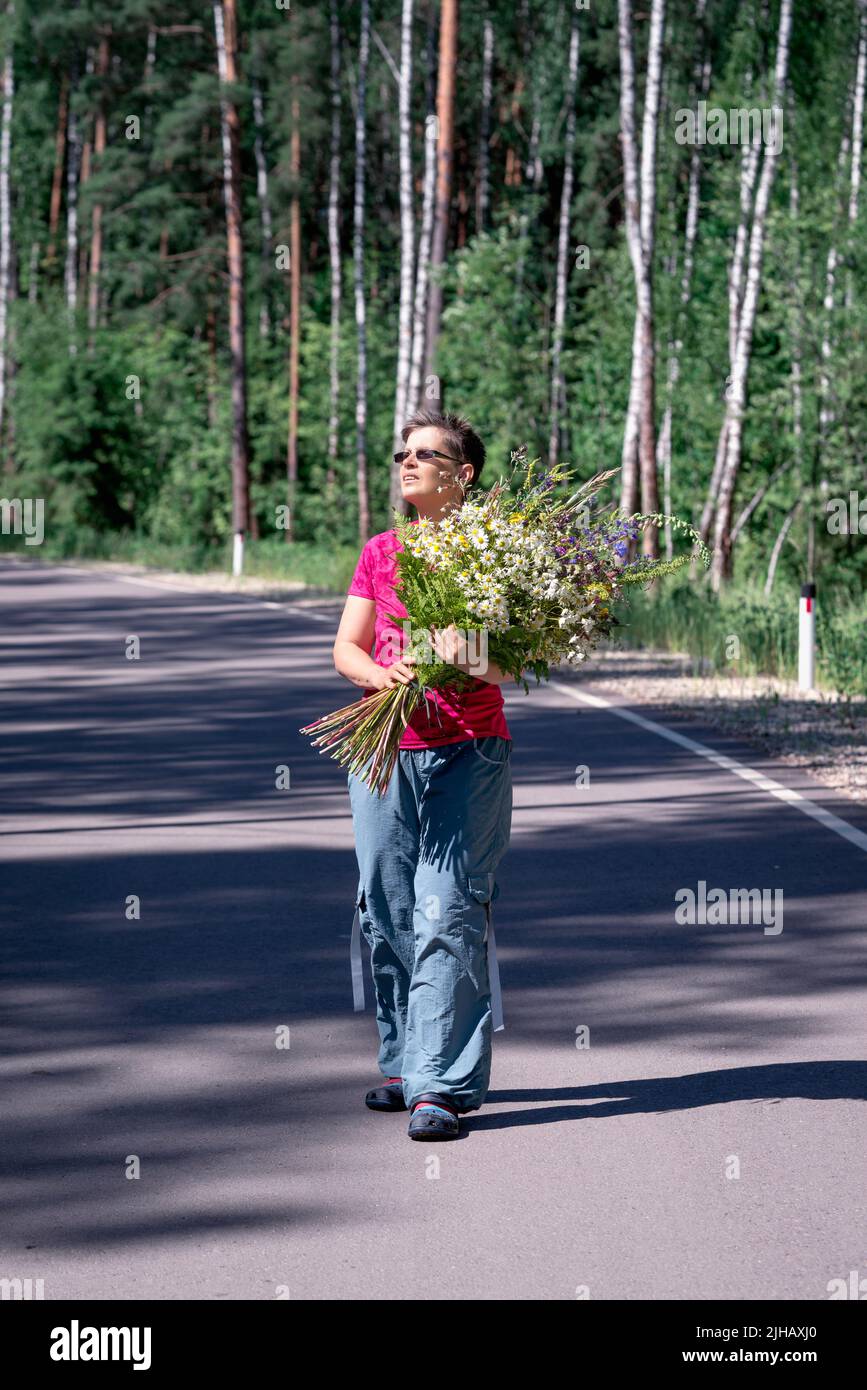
x=241, y=242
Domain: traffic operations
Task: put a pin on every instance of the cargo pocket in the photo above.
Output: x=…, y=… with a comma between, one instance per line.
x=484, y=889
x=493, y=749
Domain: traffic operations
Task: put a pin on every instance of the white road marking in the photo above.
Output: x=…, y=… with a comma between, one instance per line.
x=758, y=779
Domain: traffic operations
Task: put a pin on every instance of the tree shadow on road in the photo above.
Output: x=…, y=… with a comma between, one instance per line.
x=773, y=1083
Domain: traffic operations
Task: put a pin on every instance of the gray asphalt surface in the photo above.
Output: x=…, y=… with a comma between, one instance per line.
x=261, y=1172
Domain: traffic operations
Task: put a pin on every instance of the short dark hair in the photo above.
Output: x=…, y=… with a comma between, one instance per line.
x=462, y=439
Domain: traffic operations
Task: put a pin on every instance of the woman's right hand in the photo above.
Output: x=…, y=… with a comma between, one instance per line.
x=399, y=673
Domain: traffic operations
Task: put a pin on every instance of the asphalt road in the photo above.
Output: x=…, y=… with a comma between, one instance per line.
x=709, y=1143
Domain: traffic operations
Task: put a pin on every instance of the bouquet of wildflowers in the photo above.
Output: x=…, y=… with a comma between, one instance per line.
x=528, y=574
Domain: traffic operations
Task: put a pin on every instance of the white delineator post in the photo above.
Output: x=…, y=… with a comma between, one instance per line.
x=238, y=554
x=807, y=638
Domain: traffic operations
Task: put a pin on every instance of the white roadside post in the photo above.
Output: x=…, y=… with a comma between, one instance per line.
x=807, y=638
x=238, y=554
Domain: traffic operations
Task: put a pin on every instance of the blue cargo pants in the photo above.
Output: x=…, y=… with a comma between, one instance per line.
x=427, y=852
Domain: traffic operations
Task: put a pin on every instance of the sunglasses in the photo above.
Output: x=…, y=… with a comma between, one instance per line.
x=424, y=455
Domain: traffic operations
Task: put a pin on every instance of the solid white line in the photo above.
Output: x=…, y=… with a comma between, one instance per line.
x=758, y=779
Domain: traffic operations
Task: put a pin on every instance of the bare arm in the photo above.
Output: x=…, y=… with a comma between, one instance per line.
x=352, y=649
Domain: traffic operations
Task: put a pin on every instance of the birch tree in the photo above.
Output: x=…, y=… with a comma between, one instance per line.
x=227, y=46
x=5, y=206
x=294, y=304
x=264, y=202
x=407, y=240
x=850, y=153
x=334, y=249
x=857, y=131
x=445, y=157
x=557, y=382
x=422, y=280
x=734, y=415
x=99, y=140
x=639, y=441
x=358, y=259
x=483, y=195
x=700, y=89
x=73, y=142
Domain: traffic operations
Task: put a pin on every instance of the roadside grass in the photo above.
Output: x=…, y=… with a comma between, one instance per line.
x=740, y=630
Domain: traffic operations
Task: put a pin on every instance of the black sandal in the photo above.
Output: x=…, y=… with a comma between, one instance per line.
x=387, y=1097
x=433, y=1117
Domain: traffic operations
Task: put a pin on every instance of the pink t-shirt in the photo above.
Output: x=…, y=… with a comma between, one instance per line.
x=447, y=716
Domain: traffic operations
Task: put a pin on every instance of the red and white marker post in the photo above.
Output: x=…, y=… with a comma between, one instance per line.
x=807, y=638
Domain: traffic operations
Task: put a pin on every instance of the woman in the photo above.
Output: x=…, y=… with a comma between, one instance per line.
x=428, y=849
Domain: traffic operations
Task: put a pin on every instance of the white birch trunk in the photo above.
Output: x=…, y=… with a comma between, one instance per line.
x=533, y=173
x=733, y=423
x=264, y=201
x=749, y=172
x=639, y=441
x=73, y=147
x=358, y=258
x=5, y=206
x=334, y=247
x=828, y=302
x=407, y=240
x=226, y=34
x=424, y=251
x=857, y=134
x=484, y=192
x=629, y=144
x=420, y=307
x=701, y=87
x=557, y=383
x=779, y=543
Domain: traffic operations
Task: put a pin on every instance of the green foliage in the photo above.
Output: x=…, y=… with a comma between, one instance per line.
x=687, y=616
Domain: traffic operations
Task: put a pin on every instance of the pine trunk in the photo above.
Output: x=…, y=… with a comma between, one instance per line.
x=57, y=175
